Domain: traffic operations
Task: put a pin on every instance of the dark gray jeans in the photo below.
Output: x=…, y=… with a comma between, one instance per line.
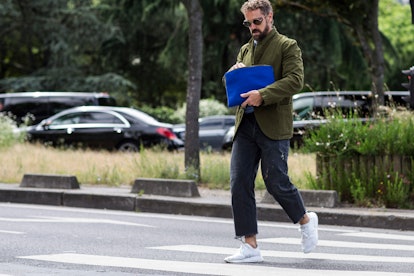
x=249, y=147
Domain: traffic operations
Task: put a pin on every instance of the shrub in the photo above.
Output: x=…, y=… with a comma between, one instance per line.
x=368, y=162
x=380, y=136
x=162, y=114
x=208, y=107
x=8, y=135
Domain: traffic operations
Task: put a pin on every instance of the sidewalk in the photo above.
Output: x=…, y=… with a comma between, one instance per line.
x=211, y=203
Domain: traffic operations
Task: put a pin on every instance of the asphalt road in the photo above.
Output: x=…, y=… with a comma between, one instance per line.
x=50, y=240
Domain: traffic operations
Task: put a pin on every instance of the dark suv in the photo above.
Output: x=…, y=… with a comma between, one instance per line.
x=312, y=105
x=36, y=106
x=309, y=108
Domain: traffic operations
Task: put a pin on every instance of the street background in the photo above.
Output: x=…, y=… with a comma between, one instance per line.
x=47, y=240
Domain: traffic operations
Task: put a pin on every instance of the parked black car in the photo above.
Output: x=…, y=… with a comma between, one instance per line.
x=212, y=130
x=33, y=107
x=309, y=109
x=105, y=127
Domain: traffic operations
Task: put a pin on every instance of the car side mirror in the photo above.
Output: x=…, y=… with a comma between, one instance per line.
x=46, y=124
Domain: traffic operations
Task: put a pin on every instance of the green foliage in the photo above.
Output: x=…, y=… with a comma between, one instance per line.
x=369, y=163
x=208, y=107
x=162, y=114
x=113, y=46
x=367, y=180
x=153, y=58
x=159, y=169
x=384, y=135
x=55, y=46
x=358, y=192
x=8, y=134
x=331, y=55
x=397, y=192
x=395, y=23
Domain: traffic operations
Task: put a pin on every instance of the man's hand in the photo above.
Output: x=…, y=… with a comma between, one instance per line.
x=253, y=98
x=237, y=66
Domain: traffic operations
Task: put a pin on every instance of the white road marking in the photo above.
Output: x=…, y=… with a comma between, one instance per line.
x=162, y=216
x=287, y=254
x=373, y=235
x=330, y=243
x=11, y=232
x=73, y=220
x=195, y=267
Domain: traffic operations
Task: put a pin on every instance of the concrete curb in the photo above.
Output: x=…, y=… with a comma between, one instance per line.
x=312, y=198
x=209, y=204
x=50, y=181
x=169, y=187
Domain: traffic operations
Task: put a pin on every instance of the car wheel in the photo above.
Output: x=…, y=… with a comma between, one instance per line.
x=128, y=147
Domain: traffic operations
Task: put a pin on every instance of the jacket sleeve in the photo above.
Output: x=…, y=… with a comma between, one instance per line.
x=290, y=79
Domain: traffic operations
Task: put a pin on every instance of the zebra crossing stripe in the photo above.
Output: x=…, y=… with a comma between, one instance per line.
x=195, y=267
x=11, y=232
x=384, y=236
x=287, y=254
x=343, y=244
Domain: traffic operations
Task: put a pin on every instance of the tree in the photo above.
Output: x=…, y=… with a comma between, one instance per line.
x=152, y=53
x=195, y=64
x=362, y=19
x=330, y=55
x=54, y=45
x=395, y=24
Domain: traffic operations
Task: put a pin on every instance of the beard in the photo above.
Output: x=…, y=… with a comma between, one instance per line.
x=258, y=35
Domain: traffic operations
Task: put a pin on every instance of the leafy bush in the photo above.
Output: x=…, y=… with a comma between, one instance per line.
x=162, y=114
x=208, y=107
x=367, y=162
x=384, y=135
x=8, y=136
x=165, y=114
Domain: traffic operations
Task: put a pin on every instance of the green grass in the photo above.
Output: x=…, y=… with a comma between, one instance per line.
x=119, y=169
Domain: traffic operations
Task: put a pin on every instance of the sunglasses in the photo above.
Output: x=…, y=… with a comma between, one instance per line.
x=256, y=21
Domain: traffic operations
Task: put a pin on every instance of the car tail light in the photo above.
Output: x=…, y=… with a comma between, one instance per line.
x=166, y=133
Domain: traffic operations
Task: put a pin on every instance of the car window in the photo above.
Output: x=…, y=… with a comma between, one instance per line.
x=99, y=118
x=87, y=118
x=67, y=119
x=20, y=106
x=229, y=123
x=137, y=116
x=107, y=101
x=211, y=124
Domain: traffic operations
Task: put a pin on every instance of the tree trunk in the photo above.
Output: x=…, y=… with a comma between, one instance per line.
x=370, y=38
x=195, y=63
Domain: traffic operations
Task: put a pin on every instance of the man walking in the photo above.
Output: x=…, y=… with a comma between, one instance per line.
x=264, y=125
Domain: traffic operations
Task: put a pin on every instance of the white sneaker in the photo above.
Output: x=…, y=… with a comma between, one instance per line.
x=246, y=254
x=310, y=233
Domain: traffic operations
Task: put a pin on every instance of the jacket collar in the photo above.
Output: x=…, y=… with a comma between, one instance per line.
x=259, y=50
x=273, y=32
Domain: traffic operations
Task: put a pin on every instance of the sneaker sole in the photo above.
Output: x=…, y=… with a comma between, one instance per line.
x=255, y=259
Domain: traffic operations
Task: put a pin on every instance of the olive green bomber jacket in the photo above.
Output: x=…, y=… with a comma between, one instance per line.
x=274, y=116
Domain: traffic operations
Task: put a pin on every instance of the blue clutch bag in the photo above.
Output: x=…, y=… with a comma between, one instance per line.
x=244, y=79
